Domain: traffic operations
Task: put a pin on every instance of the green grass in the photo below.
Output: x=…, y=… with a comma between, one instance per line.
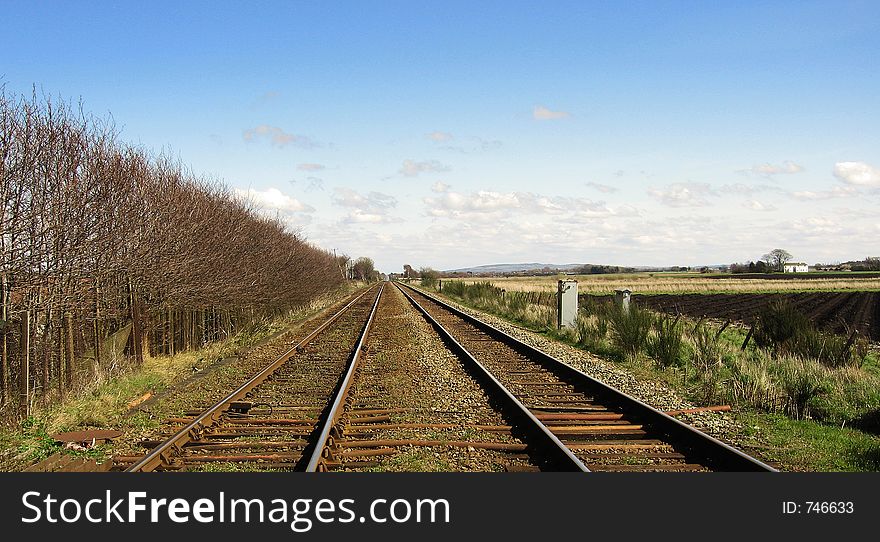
x=104, y=406
x=413, y=460
x=804, y=445
x=228, y=466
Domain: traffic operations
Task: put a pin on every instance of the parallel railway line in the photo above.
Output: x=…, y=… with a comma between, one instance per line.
x=330, y=403
x=271, y=418
x=606, y=429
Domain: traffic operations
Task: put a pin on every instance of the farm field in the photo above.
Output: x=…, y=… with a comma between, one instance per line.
x=834, y=311
x=834, y=304
x=672, y=283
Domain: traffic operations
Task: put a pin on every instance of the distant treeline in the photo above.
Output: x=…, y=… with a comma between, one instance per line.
x=868, y=264
x=107, y=252
x=750, y=267
x=586, y=269
x=590, y=269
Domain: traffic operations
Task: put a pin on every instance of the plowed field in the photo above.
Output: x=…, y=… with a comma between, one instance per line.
x=832, y=311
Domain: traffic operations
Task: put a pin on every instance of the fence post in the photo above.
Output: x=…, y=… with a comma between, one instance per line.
x=26, y=361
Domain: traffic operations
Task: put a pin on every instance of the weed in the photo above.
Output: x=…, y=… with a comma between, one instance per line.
x=750, y=382
x=707, y=360
x=630, y=329
x=667, y=344
x=784, y=330
x=802, y=381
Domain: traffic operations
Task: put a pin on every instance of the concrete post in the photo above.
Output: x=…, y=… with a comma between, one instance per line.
x=566, y=303
x=621, y=297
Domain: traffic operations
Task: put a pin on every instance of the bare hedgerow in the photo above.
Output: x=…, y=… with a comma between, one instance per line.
x=98, y=237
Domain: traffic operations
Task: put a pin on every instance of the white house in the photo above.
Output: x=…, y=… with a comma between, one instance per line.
x=796, y=267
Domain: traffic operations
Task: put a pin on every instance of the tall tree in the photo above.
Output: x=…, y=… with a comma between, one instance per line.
x=776, y=258
x=363, y=269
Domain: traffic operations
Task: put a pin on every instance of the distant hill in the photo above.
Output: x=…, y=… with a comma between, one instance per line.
x=514, y=267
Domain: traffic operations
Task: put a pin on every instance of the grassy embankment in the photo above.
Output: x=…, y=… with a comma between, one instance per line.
x=108, y=404
x=814, y=399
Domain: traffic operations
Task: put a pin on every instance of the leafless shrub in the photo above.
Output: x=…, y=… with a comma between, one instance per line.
x=97, y=235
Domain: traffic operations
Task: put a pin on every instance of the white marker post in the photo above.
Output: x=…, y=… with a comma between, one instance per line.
x=622, y=299
x=567, y=303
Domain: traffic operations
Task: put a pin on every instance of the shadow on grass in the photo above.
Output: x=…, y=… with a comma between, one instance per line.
x=869, y=422
x=869, y=459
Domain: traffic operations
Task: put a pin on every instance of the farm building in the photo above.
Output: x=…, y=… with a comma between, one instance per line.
x=796, y=267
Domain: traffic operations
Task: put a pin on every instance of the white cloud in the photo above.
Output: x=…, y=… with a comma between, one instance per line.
x=767, y=169
x=602, y=187
x=310, y=167
x=748, y=189
x=816, y=225
x=411, y=168
x=483, y=202
x=683, y=194
x=542, y=113
x=857, y=173
x=835, y=192
x=277, y=136
x=440, y=137
x=491, y=206
x=358, y=216
x=374, y=207
x=274, y=199
x=439, y=186
x=273, y=203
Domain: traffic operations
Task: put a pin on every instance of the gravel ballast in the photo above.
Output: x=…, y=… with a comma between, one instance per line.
x=721, y=425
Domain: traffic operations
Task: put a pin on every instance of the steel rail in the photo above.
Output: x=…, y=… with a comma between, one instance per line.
x=325, y=444
x=172, y=447
x=539, y=434
x=716, y=454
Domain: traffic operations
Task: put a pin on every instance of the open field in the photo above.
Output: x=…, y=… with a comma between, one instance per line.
x=672, y=283
x=836, y=305
x=838, y=312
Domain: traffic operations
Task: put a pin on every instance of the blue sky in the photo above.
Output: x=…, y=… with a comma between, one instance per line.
x=450, y=134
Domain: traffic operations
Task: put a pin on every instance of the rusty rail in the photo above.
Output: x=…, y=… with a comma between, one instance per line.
x=164, y=453
x=534, y=430
x=331, y=429
x=719, y=455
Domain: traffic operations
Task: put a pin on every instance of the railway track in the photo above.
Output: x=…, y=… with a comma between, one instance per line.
x=274, y=420
x=605, y=429
x=354, y=394
x=437, y=413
